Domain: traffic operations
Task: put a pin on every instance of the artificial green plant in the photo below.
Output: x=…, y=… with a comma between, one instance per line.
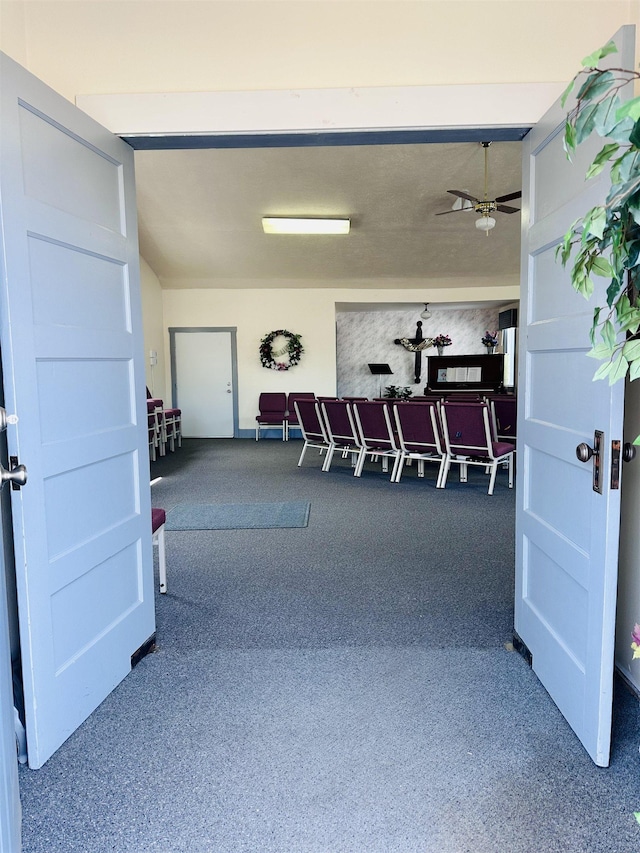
x=606, y=241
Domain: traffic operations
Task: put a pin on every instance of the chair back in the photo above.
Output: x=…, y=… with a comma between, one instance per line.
x=466, y=429
x=310, y=421
x=291, y=404
x=272, y=402
x=503, y=417
x=339, y=423
x=417, y=426
x=374, y=426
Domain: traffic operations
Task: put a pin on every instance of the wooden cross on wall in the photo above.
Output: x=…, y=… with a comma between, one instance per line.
x=416, y=345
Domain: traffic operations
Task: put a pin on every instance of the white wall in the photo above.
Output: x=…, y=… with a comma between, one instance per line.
x=100, y=46
x=368, y=336
x=255, y=313
x=153, y=329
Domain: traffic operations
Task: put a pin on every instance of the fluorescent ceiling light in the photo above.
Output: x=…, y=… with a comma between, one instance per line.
x=304, y=225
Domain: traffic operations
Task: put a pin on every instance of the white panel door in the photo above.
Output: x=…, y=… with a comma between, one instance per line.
x=203, y=382
x=72, y=355
x=566, y=533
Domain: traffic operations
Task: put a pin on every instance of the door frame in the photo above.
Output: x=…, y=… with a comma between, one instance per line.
x=233, y=332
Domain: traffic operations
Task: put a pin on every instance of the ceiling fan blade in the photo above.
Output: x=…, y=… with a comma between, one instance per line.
x=504, y=208
x=442, y=212
x=509, y=197
x=462, y=194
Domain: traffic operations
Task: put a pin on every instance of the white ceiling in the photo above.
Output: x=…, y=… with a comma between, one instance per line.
x=200, y=215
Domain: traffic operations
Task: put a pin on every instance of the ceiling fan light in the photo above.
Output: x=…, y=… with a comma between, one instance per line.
x=485, y=223
x=304, y=225
x=426, y=313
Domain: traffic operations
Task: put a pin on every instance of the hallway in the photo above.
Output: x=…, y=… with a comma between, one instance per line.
x=347, y=687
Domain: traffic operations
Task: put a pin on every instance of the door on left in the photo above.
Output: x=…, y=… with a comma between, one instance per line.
x=72, y=357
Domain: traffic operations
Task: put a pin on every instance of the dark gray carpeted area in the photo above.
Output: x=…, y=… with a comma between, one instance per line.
x=250, y=516
x=339, y=688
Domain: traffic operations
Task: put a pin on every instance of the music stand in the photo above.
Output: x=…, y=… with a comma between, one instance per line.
x=380, y=370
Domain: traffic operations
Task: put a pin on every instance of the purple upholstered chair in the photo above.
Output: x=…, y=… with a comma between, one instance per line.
x=341, y=431
x=503, y=418
x=158, y=518
x=469, y=441
x=272, y=408
x=417, y=425
x=312, y=426
x=292, y=417
x=375, y=436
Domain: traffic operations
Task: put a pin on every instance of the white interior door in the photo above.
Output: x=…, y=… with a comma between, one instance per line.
x=72, y=353
x=566, y=533
x=203, y=382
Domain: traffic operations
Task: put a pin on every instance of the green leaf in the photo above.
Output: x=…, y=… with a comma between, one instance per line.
x=612, y=291
x=602, y=267
x=606, y=117
x=631, y=350
x=596, y=84
x=586, y=121
x=601, y=159
x=634, y=136
x=569, y=143
x=603, y=371
x=621, y=131
x=634, y=372
x=567, y=92
x=595, y=221
x=595, y=57
x=601, y=351
x=619, y=368
x=608, y=333
x=629, y=108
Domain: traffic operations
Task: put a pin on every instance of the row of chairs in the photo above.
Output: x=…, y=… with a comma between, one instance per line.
x=276, y=410
x=164, y=427
x=448, y=433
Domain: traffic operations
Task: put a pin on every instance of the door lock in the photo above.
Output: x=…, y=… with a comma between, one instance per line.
x=585, y=453
x=628, y=452
x=16, y=475
x=6, y=419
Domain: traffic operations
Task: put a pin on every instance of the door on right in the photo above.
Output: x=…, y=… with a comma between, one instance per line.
x=567, y=532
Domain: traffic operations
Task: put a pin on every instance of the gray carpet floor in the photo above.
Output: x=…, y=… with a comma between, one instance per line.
x=342, y=688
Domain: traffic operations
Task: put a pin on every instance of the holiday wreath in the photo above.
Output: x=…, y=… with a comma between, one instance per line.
x=293, y=348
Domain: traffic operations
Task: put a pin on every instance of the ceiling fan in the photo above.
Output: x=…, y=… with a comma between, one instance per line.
x=486, y=206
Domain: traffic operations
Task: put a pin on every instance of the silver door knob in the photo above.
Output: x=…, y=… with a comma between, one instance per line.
x=584, y=452
x=17, y=476
x=628, y=452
